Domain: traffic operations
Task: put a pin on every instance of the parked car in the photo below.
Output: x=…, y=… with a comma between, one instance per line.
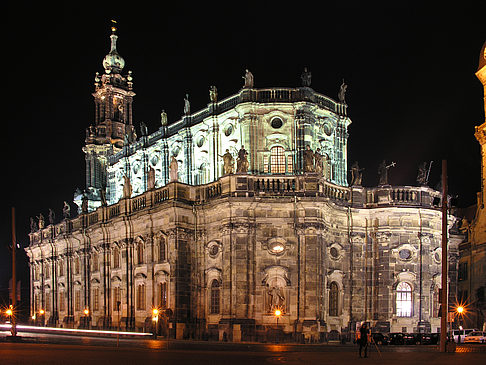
x=475, y=337
x=460, y=334
x=396, y=338
x=379, y=338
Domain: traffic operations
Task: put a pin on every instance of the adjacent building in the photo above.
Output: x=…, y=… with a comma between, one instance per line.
x=232, y=212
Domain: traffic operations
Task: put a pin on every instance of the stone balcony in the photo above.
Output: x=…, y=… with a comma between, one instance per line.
x=307, y=186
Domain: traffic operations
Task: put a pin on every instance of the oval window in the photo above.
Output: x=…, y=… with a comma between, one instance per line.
x=228, y=130
x=405, y=254
x=276, y=123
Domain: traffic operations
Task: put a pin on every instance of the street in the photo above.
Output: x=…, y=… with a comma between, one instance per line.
x=48, y=349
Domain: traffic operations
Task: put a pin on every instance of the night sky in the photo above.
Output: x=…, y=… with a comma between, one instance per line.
x=412, y=94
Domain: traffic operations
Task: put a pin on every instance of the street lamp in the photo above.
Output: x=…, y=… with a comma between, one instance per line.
x=277, y=314
x=86, y=318
x=155, y=318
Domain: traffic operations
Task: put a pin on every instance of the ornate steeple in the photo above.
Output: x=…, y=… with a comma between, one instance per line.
x=113, y=62
x=112, y=126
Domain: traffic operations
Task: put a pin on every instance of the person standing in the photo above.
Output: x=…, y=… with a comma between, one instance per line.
x=363, y=340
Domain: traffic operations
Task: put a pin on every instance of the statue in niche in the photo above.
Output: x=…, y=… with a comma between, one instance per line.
x=163, y=118
x=151, y=179
x=342, y=93
x=318, y=164
x=187, y=105
x=40, y=218
x=173, y=169
x=248, y=80
x=306, y=78
x=356, y=174
x=126, y=140
x=276, y=297
x=228, y=161
x=383, y=172
x=52, y=216
x=242, y=161
x=213, y=94
x=127, y=187
x=66, y=210
x=423, y=173
x=33, y=225
x=308, y=159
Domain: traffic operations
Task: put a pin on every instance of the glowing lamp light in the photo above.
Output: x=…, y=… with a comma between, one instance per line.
x=41, y=312
x=8, y=312
x=86, y=311
x=460, y=309
x=278, y=312
x=155, y=312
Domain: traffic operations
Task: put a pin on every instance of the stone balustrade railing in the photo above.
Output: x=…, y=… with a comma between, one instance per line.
x=307, y=186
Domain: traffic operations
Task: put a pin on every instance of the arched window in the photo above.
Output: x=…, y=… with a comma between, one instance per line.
x=333, y=299
x=215, y=297
x=61, y=268
x=404, y=299
x=163, y=295
x=277, y=160
x=76, y=265
x=116, y=258
x=162, y=253
x=95, y=263
x=140, y=253
x=141, y=297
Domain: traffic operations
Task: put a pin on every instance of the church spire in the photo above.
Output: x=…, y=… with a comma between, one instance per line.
x=113, y=62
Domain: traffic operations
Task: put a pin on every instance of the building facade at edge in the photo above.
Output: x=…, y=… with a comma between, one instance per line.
x=472, y=262
x=219, y=247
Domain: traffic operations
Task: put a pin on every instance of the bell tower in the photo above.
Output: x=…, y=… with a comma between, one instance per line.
x=112, y=127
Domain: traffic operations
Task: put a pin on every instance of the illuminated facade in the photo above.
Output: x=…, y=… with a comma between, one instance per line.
x=222, y=247
x=472, y=265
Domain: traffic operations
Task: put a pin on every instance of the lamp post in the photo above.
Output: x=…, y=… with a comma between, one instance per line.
x=86, y=318
x=277, y=314
x=41, y=313
x=155, y=319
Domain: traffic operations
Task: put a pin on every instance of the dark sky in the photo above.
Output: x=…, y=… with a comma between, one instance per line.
x=412, y=93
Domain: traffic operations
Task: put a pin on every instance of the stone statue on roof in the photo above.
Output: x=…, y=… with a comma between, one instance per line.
x=163, y=118
x=213, y=94
x=242, y=161
x=306, y=78
x=173, y=169
x=187, y=105
x=248, y=80
x=66, y=210
x=342, y=93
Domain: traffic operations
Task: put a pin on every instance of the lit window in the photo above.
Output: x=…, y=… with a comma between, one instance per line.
x=141, y=297
x=96, y=299
x=116, y=258
x=140, y=253
x=290, y=164
x=277, y=160
x=404, y=300
x=333, y=299
x=163, y=295
x=162, y=253
x=215, y=295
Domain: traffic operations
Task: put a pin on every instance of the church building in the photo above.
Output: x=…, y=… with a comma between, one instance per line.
x=232, y=212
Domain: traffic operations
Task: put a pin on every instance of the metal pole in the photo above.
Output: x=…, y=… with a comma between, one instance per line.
x=445, y=309
x=14, y=278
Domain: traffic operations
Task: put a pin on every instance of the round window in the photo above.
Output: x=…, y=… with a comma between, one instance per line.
x=154, y=160
x=334, y=252
x=200, y=141
x=327, y=129
x=213, y=250
x=437, y=257
x=277, y=247
x=228, y=130
x=405, y=254
x=276, y=123
x=175, y=150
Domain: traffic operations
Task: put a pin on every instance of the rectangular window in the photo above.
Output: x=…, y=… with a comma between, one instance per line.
x=141, y=297
x=277, y=160
x=96, y=298
x=404, y=304
x=116, y=298
x=163, y=295
x=462, y=272
x=77, y=300
x=116, y=258
x=61, y=301
x=265, y=164
x=290, y=164
x=48, y=302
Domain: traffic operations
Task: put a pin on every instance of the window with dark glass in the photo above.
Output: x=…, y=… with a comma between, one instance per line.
x=215, y=297
x=333, y=299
